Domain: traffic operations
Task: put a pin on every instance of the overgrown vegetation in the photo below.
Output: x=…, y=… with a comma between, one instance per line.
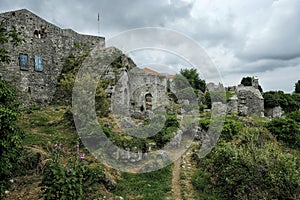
x=287, y=102
x=147, y=186
x=286, y=130
x=250, y=166
x=11, y=135
x=73, y=180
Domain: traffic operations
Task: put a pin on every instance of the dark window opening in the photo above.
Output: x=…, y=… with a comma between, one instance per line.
x=41, y=33
x=142, y=108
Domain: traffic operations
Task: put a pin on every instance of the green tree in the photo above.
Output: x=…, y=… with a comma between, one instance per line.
x=287, y=102
x=297, y=87
x=193, y=78
x=247, y=81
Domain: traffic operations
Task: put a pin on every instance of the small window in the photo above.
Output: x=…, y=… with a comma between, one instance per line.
x=23, y=61
x=38, y=63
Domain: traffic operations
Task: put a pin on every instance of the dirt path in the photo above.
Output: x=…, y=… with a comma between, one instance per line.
x=176, y=188
x=188, y=168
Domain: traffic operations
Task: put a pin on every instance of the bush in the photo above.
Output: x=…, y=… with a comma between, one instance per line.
x=231, y=128
x=10, y=135
x=295, y=115
x=286, y=130
x=251, y=166
x=74, y=180
x=277, y=98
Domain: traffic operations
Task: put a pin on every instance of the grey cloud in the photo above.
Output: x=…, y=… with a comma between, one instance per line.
x=280, y=39
x=260, y=36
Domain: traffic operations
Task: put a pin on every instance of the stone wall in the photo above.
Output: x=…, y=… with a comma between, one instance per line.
x=250, y=101
x=45, y=40
x=138, y=91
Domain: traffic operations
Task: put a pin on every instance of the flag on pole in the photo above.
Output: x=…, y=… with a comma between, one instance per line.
x=98, y=17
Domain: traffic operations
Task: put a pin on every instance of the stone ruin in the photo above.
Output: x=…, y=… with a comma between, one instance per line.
x=244, y=100
x=138, y=93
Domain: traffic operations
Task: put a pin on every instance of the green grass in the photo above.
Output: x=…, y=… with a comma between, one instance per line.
x=152, y=185
x=46, y=124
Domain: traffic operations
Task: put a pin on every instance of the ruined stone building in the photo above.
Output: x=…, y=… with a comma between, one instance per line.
x=246, y=100
x=36, y=64
x=139, y=90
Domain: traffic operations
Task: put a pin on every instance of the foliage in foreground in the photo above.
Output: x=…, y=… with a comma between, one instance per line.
x=251, y=166
x=10, y=135
x=73, y=180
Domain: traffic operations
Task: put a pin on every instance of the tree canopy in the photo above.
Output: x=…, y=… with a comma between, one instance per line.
x=193, y=78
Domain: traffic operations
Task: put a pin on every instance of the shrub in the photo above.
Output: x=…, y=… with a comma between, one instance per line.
x=251, y=166
x=295, y=115
x=286, y=130
x=10, y=135
x=277, y=98
x=74, y=180
x=231, y=127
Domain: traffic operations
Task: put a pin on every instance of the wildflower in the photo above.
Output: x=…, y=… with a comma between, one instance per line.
x=69, y=169
x=82, y=156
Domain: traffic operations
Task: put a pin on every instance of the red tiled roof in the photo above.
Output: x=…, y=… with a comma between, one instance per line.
x=170, y=76
x=150, y=71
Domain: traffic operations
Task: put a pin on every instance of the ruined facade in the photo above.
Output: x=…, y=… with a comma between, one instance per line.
x=36, y=64
x=138, y=91
x=246, y=100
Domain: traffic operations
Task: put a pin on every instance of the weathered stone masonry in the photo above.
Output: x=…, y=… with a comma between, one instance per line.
x=42, y=40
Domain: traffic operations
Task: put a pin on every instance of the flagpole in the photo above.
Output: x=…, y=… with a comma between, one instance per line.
x=98, y=25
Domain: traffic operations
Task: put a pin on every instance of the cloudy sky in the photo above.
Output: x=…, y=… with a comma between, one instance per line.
x=243, y=38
